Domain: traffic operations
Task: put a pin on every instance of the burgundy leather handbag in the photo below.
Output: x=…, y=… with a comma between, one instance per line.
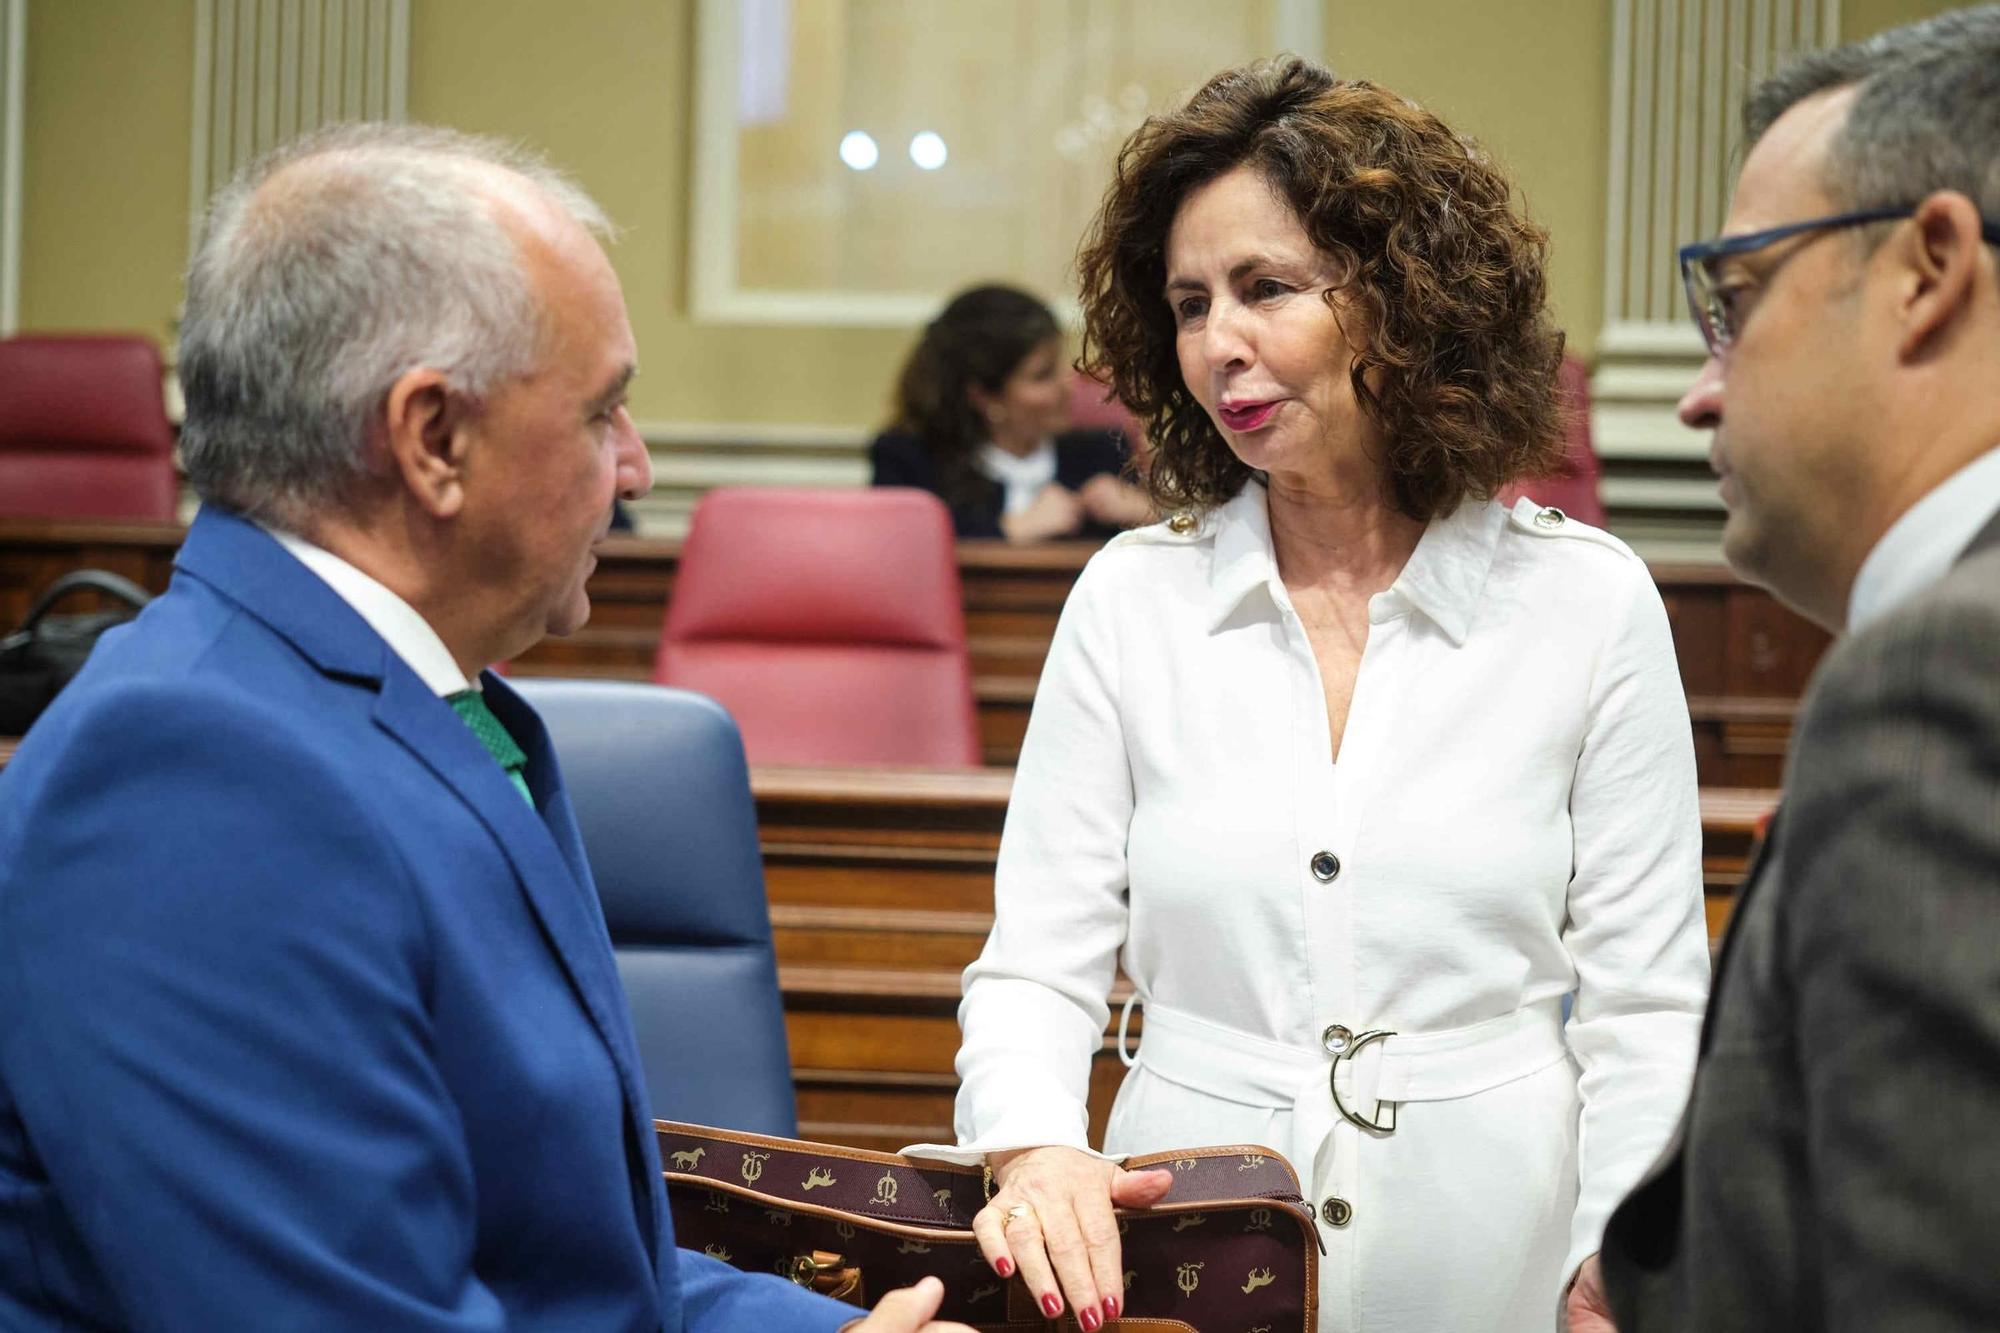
x=1232, y=1246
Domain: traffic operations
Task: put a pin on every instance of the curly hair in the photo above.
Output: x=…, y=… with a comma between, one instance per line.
x=980, y=339
x=1459, y=368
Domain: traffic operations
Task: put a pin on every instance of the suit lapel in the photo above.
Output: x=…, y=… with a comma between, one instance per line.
x=544, y=777
x=243, y=563
x=547, y=858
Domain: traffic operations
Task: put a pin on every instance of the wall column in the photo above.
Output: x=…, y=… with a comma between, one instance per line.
x=1679, y=71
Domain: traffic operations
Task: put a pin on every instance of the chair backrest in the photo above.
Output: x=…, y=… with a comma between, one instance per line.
x=828, y=622
x=663, y=801
x=1092, y=407
x=1572, y=489
x=83, y=429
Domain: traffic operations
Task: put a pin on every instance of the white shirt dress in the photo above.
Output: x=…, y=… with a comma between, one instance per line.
x=1513, y=818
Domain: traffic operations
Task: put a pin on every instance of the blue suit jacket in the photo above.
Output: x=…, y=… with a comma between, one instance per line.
x=307, y=1020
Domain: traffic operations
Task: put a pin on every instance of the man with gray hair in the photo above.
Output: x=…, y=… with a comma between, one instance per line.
x=307, y=1014
x=1838, y=1166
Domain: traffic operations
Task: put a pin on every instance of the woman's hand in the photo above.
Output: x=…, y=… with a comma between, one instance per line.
x=1115, y=503
x=1051, y=1219
x=1054, y=512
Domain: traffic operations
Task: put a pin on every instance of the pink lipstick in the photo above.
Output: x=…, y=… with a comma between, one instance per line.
x=1243, y=417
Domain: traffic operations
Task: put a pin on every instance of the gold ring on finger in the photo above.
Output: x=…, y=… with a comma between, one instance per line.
x=1019, y=1211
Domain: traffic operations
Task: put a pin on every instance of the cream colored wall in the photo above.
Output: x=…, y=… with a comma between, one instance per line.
x=104, y=182
x=606, y=88
x=1531, y=81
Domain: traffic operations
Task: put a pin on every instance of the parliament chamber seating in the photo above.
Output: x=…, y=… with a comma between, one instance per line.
x=662, y=799
x=880, y=879
x=1573, y=488
x=829, y=623
x=83, y=429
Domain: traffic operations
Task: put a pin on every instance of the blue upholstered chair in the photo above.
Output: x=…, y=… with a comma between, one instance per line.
x=662, y=797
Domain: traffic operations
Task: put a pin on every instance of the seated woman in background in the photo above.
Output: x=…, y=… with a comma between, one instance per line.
x=982, y=410
x=1355, y=770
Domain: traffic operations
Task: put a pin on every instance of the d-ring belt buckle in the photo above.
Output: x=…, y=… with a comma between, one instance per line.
x=1354, y=1048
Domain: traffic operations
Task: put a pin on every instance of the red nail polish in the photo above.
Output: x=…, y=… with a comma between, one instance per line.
x=1110, y=1309
x=1004, y=1266
x=1052, y=1305
x=1090, y=1319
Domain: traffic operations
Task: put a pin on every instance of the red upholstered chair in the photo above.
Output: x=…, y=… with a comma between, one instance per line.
x=1091, y=407
x=83, y=429
x=1573, y=488
x=829, y=623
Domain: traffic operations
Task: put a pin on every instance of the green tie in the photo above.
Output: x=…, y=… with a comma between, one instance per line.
x=471, y=708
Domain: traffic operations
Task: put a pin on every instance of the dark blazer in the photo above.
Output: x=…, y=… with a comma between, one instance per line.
x=1839, y=1164
x=900, y=459
x=307, y=1019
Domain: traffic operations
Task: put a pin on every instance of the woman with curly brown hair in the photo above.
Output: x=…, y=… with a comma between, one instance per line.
x=1355, y=770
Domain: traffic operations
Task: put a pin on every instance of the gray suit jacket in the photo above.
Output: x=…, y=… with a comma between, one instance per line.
x=1839, y=1163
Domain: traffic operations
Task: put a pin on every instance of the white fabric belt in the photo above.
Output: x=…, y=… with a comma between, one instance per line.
x=1407, y=1067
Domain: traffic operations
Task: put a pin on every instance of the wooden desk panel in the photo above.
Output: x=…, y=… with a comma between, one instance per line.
x=881, y=886
x=1744, y=659
x=36, y=552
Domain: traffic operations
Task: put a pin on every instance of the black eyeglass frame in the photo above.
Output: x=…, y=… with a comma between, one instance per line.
x=1697, y=260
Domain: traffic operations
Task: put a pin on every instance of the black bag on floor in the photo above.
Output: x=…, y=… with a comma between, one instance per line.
x=38, y=659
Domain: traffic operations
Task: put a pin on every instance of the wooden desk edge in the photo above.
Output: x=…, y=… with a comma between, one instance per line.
x=956, y=788
x=1725, y=809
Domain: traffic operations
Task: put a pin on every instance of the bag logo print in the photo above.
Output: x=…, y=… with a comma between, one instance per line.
x=1239, y=1212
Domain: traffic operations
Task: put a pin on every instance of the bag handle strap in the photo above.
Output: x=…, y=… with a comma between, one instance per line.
x=102, y=580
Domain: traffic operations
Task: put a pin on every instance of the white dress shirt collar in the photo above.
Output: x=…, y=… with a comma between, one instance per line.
x=408, y=634
x=1021, y=476
x=1926, y=541
x=1443, y=578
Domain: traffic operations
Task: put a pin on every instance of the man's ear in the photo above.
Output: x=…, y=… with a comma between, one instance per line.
x=1942, y=264
x=427, y=424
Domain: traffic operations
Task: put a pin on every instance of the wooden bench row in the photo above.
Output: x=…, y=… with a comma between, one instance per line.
x=881, y=891
x=1744, y=659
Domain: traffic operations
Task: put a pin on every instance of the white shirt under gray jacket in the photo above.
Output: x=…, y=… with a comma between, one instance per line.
x=1513, y=816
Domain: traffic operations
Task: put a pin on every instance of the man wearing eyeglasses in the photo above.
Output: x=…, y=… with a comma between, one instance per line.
x=1839, y=1163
